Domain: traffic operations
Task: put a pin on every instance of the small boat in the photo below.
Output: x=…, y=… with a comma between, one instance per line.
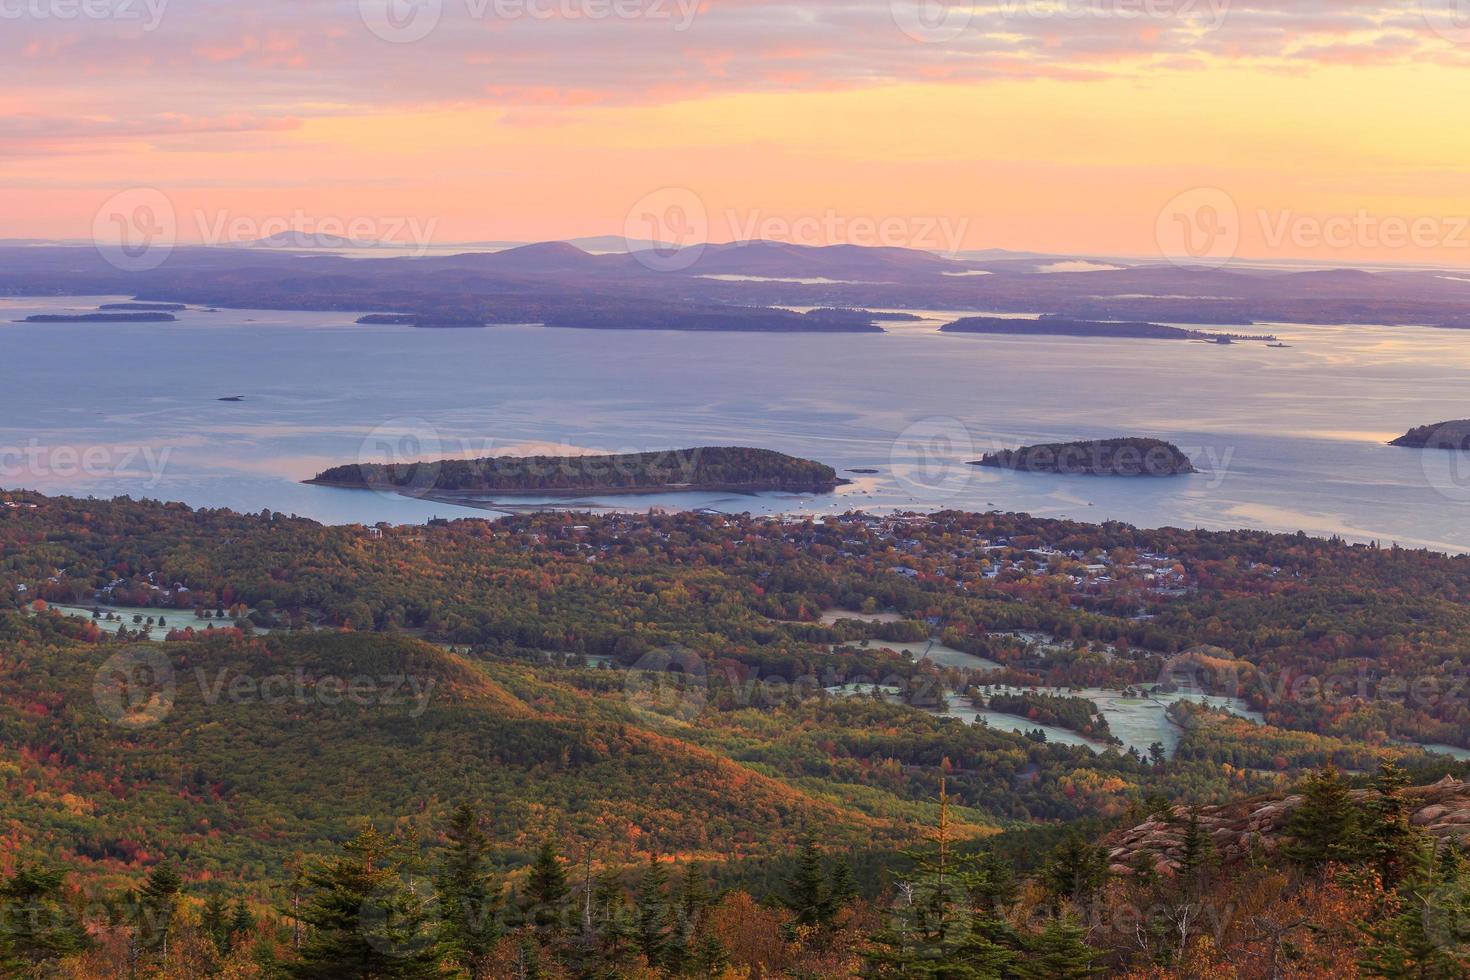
x=232, y=398
x=1278, y=345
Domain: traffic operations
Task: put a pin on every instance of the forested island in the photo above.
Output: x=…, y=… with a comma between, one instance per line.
x=1050, y=325
x=733, y=469
x=149, y=307
x=422, y=320
x=1453, y=435
x=1101, y=457
x=139, y=317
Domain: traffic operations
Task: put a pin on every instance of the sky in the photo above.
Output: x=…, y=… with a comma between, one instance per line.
x=1324, y=129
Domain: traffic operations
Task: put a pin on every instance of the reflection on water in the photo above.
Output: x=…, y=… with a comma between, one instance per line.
x=1286, y=439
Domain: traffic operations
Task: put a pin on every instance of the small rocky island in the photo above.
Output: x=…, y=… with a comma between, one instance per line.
x=1453, y=435
x=724, y=469
x=1102, y=457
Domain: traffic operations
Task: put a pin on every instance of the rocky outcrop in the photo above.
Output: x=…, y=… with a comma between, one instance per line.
x=1258, y=826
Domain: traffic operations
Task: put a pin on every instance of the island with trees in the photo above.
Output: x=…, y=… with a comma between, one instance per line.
x=725, y=469
x=1051, y=325
x=138, y=317
x=1453, y=435
x=1100, y=457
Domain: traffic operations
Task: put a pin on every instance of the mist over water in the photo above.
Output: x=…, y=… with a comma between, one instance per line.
x=1286, y=439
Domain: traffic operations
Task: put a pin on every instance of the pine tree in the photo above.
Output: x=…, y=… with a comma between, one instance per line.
x=843, y=889
x=1426, y=936
x=34, y=927
x=651, y=909
x=241, y=926
x=1323, y=828
x=995, y=886
x=157, y=902
x=616, y=932
x=364, y=920
x=1390, y=842
x=546, y=890
x=469, y=900
x=1075, y=870
x=213, y=924
x=1058, y=953
x=692, y=901
x=806, y=890
x=1197, y=855
x=710, y=957
x=936, y=928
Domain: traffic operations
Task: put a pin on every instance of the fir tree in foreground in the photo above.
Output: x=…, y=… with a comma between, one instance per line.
x=469, y=898
x=1323, y=829
x=363, y=918
x=1426, y=932
x=35, y=928
x=939, y=925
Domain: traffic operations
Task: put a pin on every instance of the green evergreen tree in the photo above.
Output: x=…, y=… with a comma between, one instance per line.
x=692, y=901
x=843, y=889
x=469, y=900
x=936, y=927
x=613, y=925
x=1075, y=870
x=995, y=886
x=546, y=890
x=158, y=901
x=1390, y=842
x=1324, y=828
x=1058, y=953
x=364, y=921
x=241, y=925
x=1197, y=855
x=213, y=922
x=1426, y=935
x=651, y=909
x=806, y=894
x=35, y=928
x=710, y=957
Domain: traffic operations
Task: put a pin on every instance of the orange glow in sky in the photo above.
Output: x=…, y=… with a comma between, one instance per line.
x=1336, y=136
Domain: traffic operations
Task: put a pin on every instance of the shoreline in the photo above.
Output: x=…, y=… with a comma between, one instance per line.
x=455, y=496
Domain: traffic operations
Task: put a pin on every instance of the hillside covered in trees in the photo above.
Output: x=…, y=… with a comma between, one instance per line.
x=703, y=745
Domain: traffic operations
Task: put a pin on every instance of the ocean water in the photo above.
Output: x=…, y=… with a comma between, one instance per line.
x=1286, y=439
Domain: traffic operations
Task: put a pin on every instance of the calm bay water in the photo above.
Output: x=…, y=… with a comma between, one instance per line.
x=1287, y=439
